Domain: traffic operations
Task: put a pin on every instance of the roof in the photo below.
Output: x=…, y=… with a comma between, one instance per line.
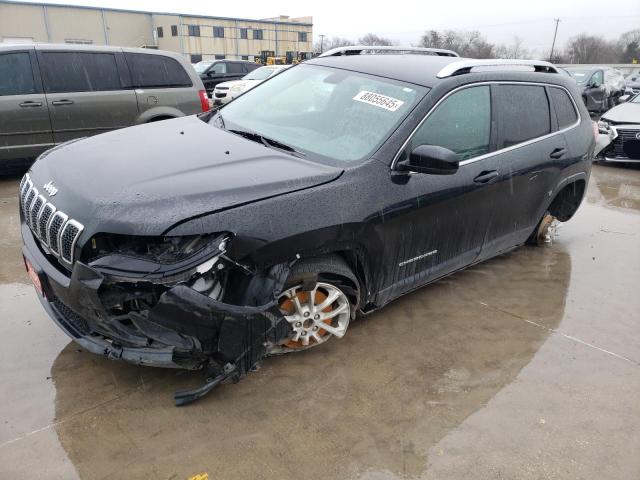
x=410, y=68
x=147, y=12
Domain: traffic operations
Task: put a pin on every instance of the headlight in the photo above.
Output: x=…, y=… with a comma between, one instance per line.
x=159, y=259
x=236, y=89
x=603, y=127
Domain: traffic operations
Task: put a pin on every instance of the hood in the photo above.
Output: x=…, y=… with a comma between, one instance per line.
x=229, y=84
x=624, y=113
x=144, y=179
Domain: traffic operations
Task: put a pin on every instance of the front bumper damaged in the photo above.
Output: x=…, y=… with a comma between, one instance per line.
x=184, y=329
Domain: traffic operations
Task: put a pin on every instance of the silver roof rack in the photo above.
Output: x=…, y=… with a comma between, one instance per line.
x=468, y=66
x=358, y=49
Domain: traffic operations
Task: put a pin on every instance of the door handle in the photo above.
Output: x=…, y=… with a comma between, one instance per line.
x=558, y=152
x=487, y=177
x=30, y=103
x=62, y=102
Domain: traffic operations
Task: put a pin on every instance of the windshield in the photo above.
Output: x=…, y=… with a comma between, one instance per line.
x=202, y=66
x=259, y=73
x=329, y=113
x=580, y=76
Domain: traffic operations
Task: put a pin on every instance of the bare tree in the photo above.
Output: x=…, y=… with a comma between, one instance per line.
x=466, y=44
x=334, y=42
x=513, y=50
x=373, y=39
x=629, y=45
x=586, y=48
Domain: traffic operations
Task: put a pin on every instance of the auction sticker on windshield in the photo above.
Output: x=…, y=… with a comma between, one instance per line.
x=377, y=100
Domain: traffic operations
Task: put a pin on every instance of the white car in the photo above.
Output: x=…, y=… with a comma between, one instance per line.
x=227, y=91
x=619, y=139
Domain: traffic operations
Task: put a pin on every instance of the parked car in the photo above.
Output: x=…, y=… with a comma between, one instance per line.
x=601, y=86
x=227, y=91
x=51, y=94
x=619, y=139
x=632, y=81
x=333, y=188
x=214, y=72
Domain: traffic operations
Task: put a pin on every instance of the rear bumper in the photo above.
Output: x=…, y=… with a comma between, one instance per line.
x=185, y=329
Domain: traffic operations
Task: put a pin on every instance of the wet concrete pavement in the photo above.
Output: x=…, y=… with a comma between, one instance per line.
x=523, y=367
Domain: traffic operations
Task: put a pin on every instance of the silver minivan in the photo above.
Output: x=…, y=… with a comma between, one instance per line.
x=50, y=94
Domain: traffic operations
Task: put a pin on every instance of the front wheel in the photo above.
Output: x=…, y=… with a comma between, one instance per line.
x=319, y=300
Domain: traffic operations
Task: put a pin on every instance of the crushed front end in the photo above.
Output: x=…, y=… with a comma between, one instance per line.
x=174, y=302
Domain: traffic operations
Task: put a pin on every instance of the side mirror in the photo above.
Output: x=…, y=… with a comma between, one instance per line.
x=430, y=159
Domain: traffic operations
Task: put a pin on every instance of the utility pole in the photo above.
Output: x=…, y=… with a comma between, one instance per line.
x=321, y=42
x=553, y=44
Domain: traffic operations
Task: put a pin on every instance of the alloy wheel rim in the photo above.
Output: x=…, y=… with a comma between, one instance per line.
x=315, y=315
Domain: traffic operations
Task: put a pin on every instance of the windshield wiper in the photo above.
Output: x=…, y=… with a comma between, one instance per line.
x=266, y=141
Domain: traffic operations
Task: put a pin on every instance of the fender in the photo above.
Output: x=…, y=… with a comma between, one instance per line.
x=155, y=112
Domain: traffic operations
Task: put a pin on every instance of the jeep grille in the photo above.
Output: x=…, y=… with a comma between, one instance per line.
x=51, y=226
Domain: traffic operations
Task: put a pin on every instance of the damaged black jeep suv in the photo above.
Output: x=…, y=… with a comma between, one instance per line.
x=264, y=227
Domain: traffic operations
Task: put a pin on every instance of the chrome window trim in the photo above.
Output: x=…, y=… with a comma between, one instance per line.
x=502, y=150
x=68, y=223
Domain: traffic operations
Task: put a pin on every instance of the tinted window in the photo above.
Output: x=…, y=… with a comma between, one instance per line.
x=302, y=36
x=196, y=57
x=565, y=111
x=461, y=123
x=174, y=30
x=235, y=68
x=79, y=72
x=218, y=32
x=243, y=32
x=523, y=112
x=160, y=32
x=16, y=77
x=155, y=71
x=257, y=34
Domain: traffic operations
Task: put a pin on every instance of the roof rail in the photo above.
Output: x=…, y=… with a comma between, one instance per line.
x=358, y=49
x=467, y=66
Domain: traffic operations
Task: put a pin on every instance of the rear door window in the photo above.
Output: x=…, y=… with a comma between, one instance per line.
x=565, y=110
x=235, y=68
x=79, y=72
x=156, y=71
x=461, y=123
x=523, y=113
x=16, y=76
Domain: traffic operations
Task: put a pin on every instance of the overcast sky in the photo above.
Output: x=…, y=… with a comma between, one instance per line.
x=404, y=21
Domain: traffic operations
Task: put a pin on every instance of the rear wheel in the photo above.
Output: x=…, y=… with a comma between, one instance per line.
x=319, y=299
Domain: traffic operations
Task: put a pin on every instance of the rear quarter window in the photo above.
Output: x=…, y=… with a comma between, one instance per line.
x=563, y=106
x=523, y=113
x=156, y=71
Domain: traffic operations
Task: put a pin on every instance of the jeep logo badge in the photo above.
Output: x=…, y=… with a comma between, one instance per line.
x=50, y=188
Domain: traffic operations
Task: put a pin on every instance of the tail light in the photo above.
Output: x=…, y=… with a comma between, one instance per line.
x=204, y=100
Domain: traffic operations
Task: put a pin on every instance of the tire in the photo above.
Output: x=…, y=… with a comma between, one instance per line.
x=310, y=284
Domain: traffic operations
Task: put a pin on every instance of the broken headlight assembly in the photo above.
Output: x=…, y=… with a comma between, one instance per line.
x=604, y=127
x=159, y=260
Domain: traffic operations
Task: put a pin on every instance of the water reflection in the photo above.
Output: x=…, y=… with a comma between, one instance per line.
x=617, y=185
x=375, y=401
